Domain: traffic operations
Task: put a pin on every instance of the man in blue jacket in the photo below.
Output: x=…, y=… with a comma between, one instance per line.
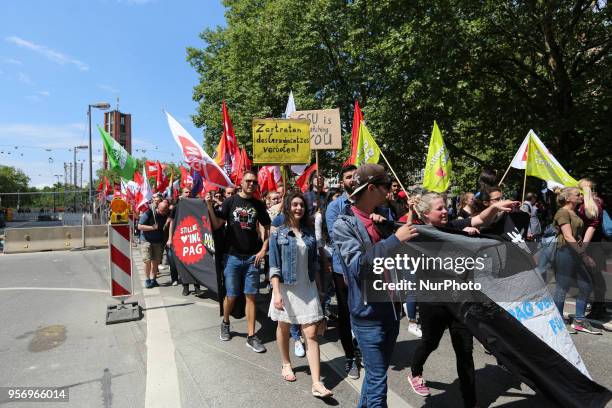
x=374, y=314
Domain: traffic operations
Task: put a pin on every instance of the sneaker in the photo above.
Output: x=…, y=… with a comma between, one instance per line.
x=174, y=283
x=185, y=290
x=255, y=344
x=154, y=283
x=298, y=349
x=584, y=326
x=418, y=385
x=148, y=284
x=352, y=369
x=570, y=328
x=198, y=291
x=225, y=331
x=415, y=330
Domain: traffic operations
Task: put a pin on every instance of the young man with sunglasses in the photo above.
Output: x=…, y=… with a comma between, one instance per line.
x=241, y=214
x=374, y=316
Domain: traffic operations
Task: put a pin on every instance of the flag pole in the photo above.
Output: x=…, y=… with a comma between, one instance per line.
x=317, y=161
x=504, y=176
x=524, y=185
x=393, y=171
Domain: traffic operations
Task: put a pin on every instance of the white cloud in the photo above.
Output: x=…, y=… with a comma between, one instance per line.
x=24, y=78
x=108, y=88
x=50, y=54
x=12, y=61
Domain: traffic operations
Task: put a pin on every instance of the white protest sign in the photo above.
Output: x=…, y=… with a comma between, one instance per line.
x=325, y=133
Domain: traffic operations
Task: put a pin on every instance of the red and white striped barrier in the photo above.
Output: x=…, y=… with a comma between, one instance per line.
x=120, y=258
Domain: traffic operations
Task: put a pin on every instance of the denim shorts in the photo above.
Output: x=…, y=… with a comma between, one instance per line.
x=241, y=275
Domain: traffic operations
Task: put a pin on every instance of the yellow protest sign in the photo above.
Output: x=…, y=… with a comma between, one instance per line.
x=281, y=141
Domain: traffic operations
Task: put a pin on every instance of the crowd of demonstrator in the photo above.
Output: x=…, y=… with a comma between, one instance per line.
x=319, y=244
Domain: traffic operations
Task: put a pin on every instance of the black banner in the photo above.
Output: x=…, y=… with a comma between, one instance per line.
x=193, y=244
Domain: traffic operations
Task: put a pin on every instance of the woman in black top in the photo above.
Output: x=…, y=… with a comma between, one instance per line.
x=437, y=317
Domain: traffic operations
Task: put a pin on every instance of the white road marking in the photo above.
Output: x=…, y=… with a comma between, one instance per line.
x=162, y=386
x=105, y=291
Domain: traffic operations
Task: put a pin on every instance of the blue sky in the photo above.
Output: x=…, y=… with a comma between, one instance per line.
x=56, y=57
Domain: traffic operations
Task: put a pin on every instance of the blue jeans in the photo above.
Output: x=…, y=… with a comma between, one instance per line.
x=240, y=272
x=568, y=266
x=376, y=343
x=411, y=308
x=546, y=255
x=295, y=331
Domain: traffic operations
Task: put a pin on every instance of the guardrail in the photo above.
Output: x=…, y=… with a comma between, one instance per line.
x=36, y=239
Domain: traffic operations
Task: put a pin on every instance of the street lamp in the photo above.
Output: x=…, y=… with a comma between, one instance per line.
x=102, y=106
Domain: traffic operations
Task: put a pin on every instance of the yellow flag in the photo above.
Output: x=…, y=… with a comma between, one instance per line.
x=541, y=164
x=367, y=149
x=438, y=167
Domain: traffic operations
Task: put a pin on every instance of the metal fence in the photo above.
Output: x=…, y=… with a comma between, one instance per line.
x=65, y=206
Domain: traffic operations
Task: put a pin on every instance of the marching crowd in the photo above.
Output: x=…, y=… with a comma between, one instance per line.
x=320, y=244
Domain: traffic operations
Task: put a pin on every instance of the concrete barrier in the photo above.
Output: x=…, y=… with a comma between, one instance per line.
x=36, y=239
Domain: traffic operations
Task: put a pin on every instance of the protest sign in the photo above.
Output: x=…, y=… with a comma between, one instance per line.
x=325, y=133
x=281, y=141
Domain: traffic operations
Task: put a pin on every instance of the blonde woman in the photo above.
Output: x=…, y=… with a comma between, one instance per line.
x=571, y=258
x=591, y=213
x=465, y=205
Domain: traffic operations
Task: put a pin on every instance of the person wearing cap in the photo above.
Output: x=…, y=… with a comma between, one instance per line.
x=374, y=314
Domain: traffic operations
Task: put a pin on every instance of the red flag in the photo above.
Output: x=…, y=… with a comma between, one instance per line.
x=228, y=152
x=247, y=163
x=231, y=143
x=302, y=181
x=117, y=191
x=357, y=119
x=151, y=169
x=186, y=179
x=145, y=194
x=196, y=157
x=241, y=163
x=138, y=178
x=161, y=181
x=104, y=188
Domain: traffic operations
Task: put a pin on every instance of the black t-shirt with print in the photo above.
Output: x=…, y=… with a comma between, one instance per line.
x=242, y=216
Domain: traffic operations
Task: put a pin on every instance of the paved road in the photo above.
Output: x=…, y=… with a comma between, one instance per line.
x=53, y=305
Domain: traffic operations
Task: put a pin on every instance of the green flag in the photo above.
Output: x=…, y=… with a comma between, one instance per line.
x=542, y=165
x=118, y=158
x=367, y=149
x=438, y=167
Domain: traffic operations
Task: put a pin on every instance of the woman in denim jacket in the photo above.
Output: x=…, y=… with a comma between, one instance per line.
x=295, y=297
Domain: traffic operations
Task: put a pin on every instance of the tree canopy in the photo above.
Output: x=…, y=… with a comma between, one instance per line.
x=13, y=180
x=487, y=71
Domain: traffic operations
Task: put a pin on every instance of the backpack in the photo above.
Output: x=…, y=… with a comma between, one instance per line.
x=607, y=225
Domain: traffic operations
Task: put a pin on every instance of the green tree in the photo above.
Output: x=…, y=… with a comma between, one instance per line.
x=13, y=180
x=487, y=71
